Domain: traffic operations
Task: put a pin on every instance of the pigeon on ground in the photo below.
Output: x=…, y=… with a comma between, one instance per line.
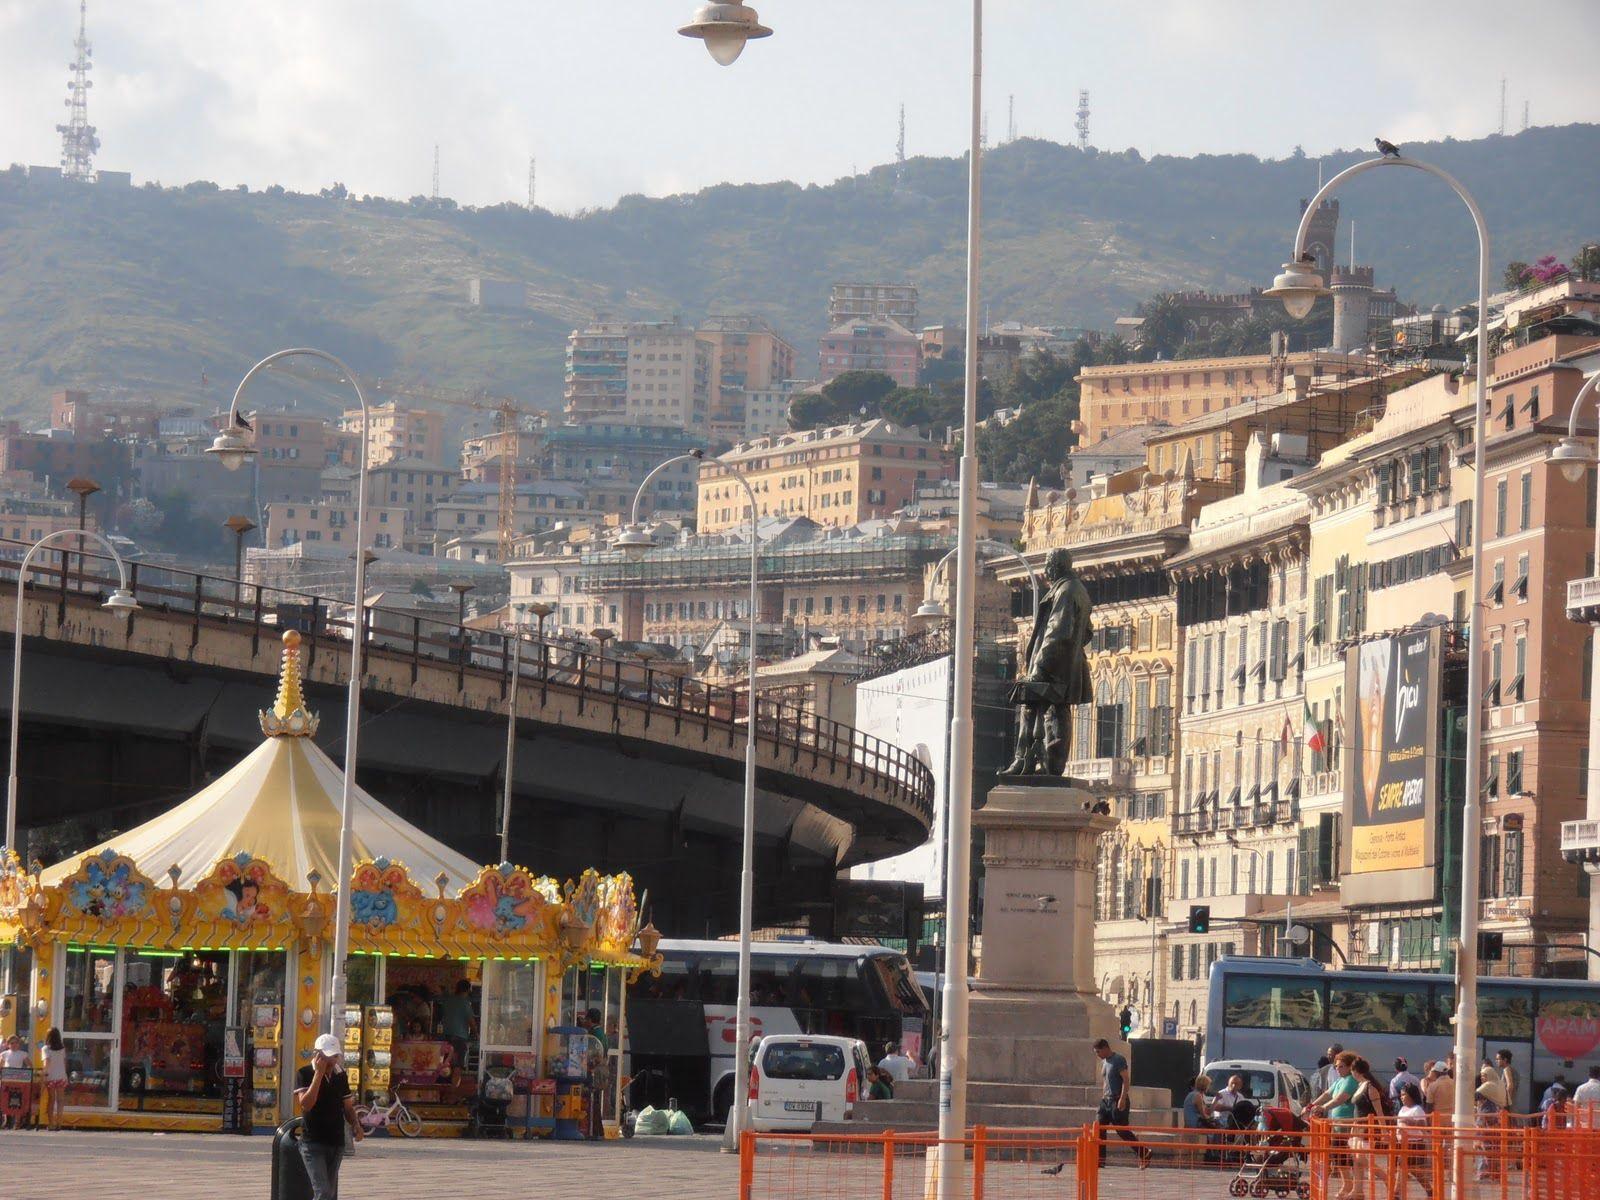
x=1055, y=1170
x=1387, y=149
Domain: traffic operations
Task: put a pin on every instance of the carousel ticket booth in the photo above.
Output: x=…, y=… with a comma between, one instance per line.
x=187, y=962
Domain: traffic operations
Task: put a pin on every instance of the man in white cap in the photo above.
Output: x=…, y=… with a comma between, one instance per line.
x=324, y=1100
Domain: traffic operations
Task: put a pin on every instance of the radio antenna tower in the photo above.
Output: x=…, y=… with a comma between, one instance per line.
x=1524, y=116
x=900, y=150
x=1502, y=106
x=1011, y=118
x=983, y=132
x=78, y=140
x=436, y=172
x=531, y=164
x=1082, y=125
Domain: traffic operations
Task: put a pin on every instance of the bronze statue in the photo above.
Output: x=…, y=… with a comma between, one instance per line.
x=1055, y=672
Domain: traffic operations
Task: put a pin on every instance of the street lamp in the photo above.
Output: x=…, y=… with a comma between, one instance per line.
x=240, y=526
x=933, y=610
x=83, y=489
x=232, y=447
x=120, y=601
x=725, y=28
x=635, y=540
x=1298, y=286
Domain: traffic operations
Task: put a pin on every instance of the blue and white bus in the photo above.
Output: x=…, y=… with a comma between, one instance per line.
x=1292, y=1008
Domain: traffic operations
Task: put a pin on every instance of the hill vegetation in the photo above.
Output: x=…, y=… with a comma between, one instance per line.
x=175, y=291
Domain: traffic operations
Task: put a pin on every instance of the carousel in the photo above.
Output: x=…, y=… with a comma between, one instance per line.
x=187, y=962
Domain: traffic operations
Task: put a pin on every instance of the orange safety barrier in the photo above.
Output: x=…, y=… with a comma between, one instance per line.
x=1374, y=1160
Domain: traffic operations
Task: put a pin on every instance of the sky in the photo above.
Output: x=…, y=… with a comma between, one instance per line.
x=611, y=101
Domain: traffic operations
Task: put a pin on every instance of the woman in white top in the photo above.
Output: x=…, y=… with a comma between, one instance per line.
x=1410, y=1121
x=54, y=1055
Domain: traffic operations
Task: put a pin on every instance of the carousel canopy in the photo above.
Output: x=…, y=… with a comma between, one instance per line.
x=280, y=803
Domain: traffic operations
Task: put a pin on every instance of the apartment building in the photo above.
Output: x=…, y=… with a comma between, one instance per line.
x=881, y=344
x=418, y=486
x=27, y=519
x=749, y=358
x=863, y=301
x=398, y=431
x=839, y=476
x=639, y=373
x=1127, y=395
x=289, y=522
x=473, y=508
x=610, y=461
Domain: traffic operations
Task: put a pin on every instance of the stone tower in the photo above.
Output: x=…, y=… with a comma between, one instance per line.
x=1352, y=307
x=1320, y=237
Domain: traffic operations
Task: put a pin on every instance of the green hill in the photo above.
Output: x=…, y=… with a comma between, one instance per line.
x=148, y=288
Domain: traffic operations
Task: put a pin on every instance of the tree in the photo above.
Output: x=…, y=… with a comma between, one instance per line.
x=1515, y=276
x=1034, y=445
x=1163, y=330
x=848, y=396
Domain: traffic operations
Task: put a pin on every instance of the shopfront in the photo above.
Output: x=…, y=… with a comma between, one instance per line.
x=187, y=963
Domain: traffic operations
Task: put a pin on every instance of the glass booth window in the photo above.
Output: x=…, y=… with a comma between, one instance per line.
x=173, y=1008
x=87, y=1005
x=511, y=997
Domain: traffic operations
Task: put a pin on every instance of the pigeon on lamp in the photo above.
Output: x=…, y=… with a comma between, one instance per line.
x=1387, y=149
x=240, y=423
x=1307, y=257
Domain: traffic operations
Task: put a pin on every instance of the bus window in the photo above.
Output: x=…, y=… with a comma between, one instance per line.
x=718, y=978
x=1444, y=1010
x=1505, y=1013
x=676, y=981
x=1268, y=1002
x=830, y=983
x=1377, y=1007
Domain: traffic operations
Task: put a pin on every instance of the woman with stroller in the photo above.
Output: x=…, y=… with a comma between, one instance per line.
x=1198, y=1113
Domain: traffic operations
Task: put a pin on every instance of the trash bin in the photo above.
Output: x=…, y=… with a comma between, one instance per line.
x=289, y=1178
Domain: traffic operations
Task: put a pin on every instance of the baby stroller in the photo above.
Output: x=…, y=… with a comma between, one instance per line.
x=1276, y=1165
x=487, y=1117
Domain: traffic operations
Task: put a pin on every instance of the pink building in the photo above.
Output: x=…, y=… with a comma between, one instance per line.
x=875, y=344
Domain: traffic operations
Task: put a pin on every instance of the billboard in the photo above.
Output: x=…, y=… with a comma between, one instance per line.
x=1391, y=788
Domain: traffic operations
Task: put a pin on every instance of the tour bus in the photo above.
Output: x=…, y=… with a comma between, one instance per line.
x=681, y=1025
x=1293, y=1008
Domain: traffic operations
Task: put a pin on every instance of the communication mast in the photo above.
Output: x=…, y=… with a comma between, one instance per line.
x=436, y=172
x=78, y=140
x=1502, y=106
x=1524, y=116
x=900, y=151
x=1011, y=118
x=1082, y=125
x=531, y=164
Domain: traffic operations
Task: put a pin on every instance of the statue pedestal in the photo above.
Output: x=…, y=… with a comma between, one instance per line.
x=1035, y=1009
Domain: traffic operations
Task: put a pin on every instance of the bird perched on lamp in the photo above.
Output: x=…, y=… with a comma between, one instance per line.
x=1387, y=149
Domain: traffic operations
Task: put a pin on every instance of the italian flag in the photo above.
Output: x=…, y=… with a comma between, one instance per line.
x=1313, y=732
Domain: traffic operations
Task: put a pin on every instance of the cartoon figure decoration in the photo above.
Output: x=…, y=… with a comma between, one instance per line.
x=507, y=899
x=110, y=887
x=377, y=888
x=242, y=891
x=583, y=900
x=13, y=883
x=618, y=914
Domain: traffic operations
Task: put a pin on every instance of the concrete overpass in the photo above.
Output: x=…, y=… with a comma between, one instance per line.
x=619, y=765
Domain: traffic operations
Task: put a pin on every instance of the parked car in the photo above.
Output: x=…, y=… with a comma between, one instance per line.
x=797, y=1080
x=1267, y=1083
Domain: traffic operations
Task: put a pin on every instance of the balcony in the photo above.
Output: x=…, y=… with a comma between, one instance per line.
x=1583, y=600
x=1102, y=772
x=1580, y=840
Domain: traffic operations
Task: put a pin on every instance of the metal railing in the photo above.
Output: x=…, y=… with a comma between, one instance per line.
x=549, y=666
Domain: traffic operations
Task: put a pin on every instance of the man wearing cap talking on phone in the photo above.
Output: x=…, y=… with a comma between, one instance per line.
x=324, y=1100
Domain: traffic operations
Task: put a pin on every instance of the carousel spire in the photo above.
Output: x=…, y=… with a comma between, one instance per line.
x=289, y=717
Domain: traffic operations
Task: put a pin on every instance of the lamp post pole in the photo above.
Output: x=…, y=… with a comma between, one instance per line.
x=83, y=489
x=119, y=601
x=240, y=526
x=511, y=730
x=1299, y=286
x=738, y=1115
x=232, y=447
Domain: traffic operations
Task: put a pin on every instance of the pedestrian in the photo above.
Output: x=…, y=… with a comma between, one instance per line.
x=1402, y=1076
x=455, y=1022
x=327, y=1105
x=1438, y=1089
x=1491, y=1098
x=1411, y=1120
x=1587, y=1097
x=1330, y=1075
x=896, y=1063
x=1372, y=1124
x=1556, y=1113
x=14, y=1058
x=1559, y=1082
x=1114, y=1099
x=1337, y=1103
x=1509, y=1077
x=1199, y=1115
x=53, y=1057
x=880, y=1084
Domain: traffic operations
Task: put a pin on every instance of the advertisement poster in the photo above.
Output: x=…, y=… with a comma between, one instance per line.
x=1391, y=786
x=234, y=1117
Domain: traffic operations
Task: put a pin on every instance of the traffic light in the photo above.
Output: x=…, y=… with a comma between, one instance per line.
x=1199, y=918
x=1491, y=946
x=1126, y=1018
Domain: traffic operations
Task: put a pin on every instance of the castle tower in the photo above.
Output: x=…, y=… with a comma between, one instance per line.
x=1321, y=236
x=1352, y=307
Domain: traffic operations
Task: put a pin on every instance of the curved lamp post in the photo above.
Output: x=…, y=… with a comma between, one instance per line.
x=634, y=539
x=933, y=610
x=233, y=446
x=120, y=600
x=725, y=28
x=1298, y=286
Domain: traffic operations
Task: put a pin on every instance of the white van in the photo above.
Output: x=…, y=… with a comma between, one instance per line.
x=1267, y=1084
x=797, y=1080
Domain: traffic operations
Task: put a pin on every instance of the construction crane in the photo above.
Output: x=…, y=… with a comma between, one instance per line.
x=505, y=441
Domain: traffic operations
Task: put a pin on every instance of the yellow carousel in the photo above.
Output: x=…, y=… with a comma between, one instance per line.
x=186, y=963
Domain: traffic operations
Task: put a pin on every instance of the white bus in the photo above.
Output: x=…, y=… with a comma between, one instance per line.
x=681, y=1024
x=1292, y=1008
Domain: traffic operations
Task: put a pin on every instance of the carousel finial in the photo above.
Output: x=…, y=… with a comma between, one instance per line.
x=288, y=717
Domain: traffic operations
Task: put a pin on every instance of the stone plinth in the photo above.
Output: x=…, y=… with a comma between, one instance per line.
x=1034, y=1008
